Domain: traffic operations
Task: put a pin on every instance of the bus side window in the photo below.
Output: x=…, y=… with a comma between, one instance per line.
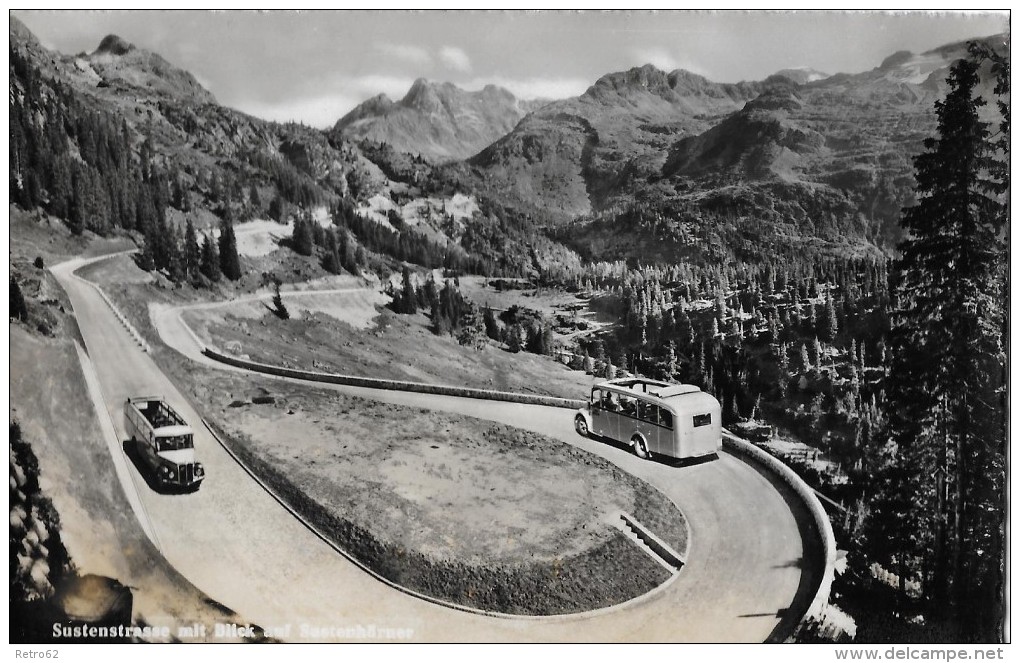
x=596, y=398
x=643, y=409
x=628, y=406
x=665, y=418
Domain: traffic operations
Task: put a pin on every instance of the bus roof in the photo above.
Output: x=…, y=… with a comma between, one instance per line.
x=676, y=395
x=640, y=385
x=675, y=390
x=171, y=431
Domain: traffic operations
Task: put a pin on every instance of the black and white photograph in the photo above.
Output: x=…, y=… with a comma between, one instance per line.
x=376, y=327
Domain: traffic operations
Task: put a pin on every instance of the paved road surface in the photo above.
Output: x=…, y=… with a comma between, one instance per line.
x=238, y=545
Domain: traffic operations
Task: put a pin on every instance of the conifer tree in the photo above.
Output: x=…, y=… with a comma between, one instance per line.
x=331, y=258
x=947, y=414
x=279, y=308
x=230, y=263
x=301, y=238
x=210, y=264
x=192, y=251
x=828, y=324
x=513, y=338
x=146, y=260
x=491, y=325
x=408, y=296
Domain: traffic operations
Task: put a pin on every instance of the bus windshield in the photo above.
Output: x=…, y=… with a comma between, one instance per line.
x=173, y=443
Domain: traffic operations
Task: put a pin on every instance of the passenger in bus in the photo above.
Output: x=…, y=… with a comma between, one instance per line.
x=610, y=402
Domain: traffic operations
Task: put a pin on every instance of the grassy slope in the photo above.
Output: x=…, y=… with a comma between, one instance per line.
x=450, y=506
x=384, y=350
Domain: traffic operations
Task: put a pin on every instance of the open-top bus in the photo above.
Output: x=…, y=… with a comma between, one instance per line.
x=165, y=442
x=653, y=417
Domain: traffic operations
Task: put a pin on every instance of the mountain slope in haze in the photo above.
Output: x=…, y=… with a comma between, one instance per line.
x=643, y=163
x=438, y=121
x=857, y=134
x=834, y=153
x=758, y=141
x=566, y=155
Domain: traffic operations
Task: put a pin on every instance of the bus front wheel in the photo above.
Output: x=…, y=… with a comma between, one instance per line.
x=640, y=450
x=581, y=426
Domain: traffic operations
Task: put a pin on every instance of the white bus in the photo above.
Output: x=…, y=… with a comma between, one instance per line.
x=165, y=442
x=653, y=417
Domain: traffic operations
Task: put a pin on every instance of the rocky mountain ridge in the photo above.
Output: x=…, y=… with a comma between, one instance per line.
x=643, y=158
x=438, y=121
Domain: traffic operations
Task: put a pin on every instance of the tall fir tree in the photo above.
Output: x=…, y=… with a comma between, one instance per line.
x=408, y=297
x=828, y=324
x=945, y=418
x=192, y=251
x=230, y=263
x=301, y=238
x=209, y=267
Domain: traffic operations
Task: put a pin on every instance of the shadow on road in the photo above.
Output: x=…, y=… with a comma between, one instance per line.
x=811, y=564
x=656, y=458
x=781, y=613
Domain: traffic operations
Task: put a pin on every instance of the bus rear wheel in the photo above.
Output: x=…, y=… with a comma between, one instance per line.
x=581, y=426
x=640, y=450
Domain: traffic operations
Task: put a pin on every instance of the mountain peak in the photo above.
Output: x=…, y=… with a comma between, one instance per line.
x=437, y=120
x=114, y=45
x=420, y=83
x=427, y=96
x=644, y=76
x=118, y=60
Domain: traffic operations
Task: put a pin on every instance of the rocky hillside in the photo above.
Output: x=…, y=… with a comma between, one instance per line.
x=568, y=155
x=120, y=140
x=759, y=141
x=825, y=157
x=119, y=63
x=217, y=162
x=437, y=121
x=644, y=163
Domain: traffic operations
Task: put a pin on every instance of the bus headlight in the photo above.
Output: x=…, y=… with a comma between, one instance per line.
x=199, y=470
x=169, y=472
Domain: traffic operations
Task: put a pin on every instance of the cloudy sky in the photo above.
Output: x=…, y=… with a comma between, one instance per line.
x=314, y=66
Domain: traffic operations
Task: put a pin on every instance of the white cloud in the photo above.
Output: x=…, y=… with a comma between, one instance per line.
x=320, y=112
x=323, y=110
x=665, y=60
x=406, y=53
x=534, y=88
x=455, y=58
x=369, y=85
